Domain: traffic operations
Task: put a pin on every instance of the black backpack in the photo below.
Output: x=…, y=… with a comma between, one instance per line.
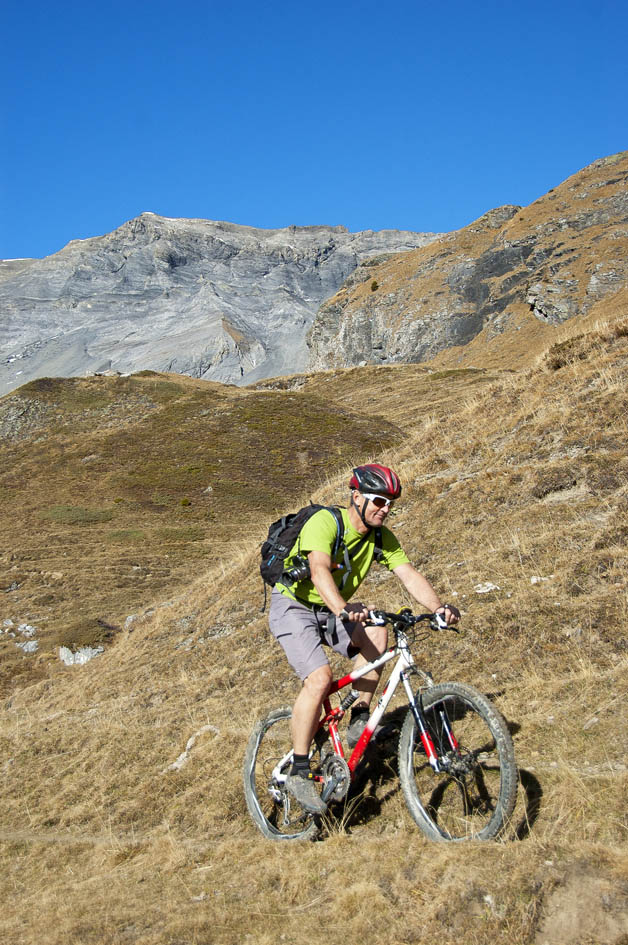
x=282, y=535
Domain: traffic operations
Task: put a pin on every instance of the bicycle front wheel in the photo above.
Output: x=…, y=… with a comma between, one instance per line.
x=473, y=795
x=267, y=760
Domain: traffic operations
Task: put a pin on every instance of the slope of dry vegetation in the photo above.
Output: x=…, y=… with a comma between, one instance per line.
x=518, y=479
x=118, y=489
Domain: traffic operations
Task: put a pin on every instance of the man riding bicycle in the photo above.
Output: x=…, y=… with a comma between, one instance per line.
x=315, y=610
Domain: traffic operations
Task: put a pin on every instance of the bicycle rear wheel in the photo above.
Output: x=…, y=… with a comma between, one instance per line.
x=474, y=795
x=267, y=760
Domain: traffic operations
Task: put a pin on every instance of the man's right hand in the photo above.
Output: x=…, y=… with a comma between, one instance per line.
x=357, y=612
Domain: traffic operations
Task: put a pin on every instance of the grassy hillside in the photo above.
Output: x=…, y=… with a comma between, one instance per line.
x=515, y=478
x=120, y=489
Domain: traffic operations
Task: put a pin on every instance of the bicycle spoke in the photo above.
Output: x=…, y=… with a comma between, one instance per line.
x=474, y=792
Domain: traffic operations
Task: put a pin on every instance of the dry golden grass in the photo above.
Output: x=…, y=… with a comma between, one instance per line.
x=117, y=490
x=515, y=478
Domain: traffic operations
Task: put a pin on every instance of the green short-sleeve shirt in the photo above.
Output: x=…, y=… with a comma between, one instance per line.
x=319, y=534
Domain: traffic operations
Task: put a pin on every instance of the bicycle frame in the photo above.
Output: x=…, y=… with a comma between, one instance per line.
x=405, y=661
x=401, y=673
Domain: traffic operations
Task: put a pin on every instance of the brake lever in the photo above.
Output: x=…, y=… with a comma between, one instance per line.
x=376, y=620
x=439, y=623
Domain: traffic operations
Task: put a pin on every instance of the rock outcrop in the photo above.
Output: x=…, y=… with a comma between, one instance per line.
x=552, y=260
x=212, y=300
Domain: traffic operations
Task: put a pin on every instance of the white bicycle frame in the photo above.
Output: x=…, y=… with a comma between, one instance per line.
x=331, y=717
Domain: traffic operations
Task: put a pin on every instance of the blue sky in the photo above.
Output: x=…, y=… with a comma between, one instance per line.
x=408, y=115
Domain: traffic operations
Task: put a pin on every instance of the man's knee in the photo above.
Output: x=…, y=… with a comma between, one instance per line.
x=371, y=641
x=319, y=681
x=379, y=638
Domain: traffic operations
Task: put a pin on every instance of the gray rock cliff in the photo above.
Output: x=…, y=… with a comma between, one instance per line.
x=553, y=260
x=209, y=299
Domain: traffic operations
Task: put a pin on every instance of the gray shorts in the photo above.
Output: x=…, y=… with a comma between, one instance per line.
x=302, y=633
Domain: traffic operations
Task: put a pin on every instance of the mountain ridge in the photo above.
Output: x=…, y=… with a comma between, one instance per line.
x=239, y=304
x=163, y=293
x=505, y=272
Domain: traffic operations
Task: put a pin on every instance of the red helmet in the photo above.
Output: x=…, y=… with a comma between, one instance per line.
x=375, y=478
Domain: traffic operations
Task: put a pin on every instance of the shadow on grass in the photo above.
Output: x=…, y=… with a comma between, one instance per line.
x=376, y=779
x=533, y=794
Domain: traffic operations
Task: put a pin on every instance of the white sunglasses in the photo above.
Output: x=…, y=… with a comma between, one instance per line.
x=379, y=501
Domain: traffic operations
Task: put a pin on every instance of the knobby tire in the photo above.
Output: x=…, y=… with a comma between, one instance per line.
x=475, y=798
x=278, y=816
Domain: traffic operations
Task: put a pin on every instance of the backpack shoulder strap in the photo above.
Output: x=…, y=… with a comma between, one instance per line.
x=339, y=543
x=340, y=527
x=378, y=553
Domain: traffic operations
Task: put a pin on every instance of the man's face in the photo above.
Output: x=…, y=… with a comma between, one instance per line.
x=377, y=507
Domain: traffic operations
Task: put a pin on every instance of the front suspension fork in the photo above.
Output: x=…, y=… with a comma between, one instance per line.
x=424, y=734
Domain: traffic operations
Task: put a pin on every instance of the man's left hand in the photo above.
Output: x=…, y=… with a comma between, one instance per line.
x=450, y=613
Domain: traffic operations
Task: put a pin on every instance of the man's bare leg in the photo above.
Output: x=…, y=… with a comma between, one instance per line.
x=371, y=642
x=307, y=709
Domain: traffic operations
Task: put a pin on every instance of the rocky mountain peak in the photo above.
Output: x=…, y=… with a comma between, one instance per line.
x=207, y=298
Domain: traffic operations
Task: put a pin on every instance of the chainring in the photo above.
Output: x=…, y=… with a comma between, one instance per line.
x=336, y=768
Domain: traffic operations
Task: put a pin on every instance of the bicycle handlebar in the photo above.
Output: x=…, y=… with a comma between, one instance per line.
x=407, y=619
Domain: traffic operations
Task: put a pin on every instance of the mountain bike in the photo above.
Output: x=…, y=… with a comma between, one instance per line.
x=456, y=758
